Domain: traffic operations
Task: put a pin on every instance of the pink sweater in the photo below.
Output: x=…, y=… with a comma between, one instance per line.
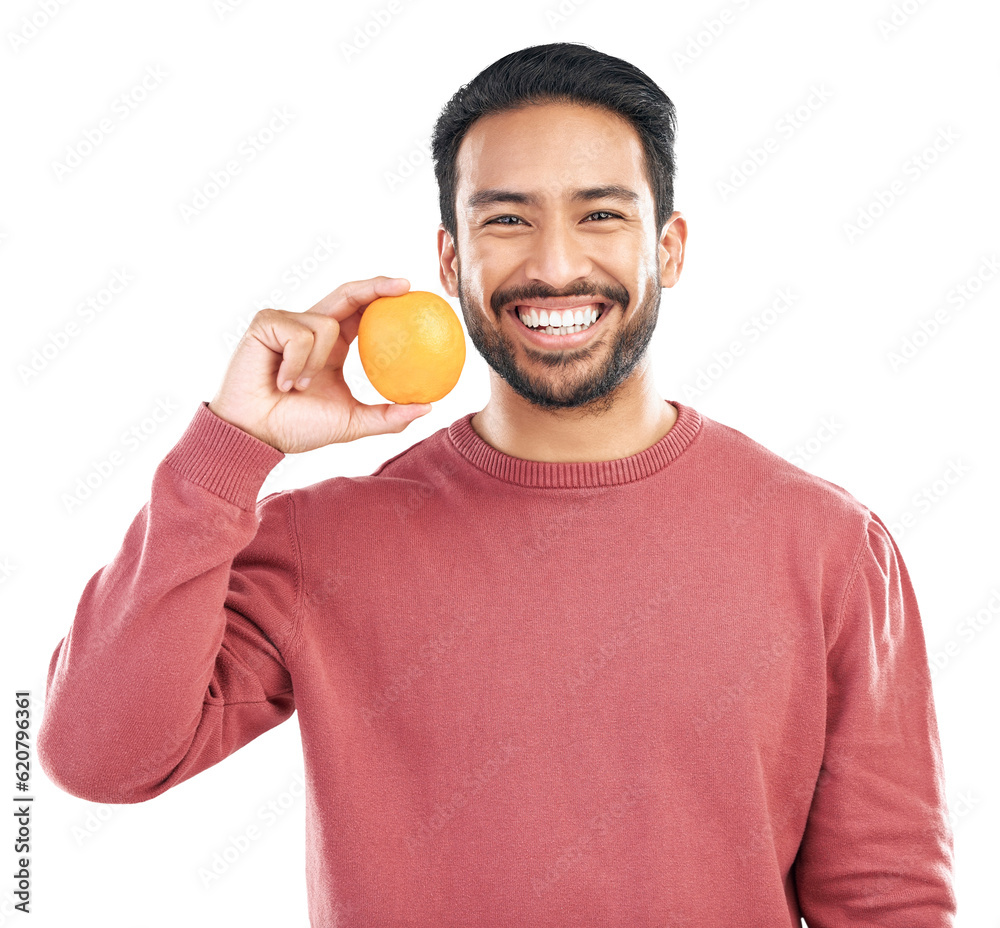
x=685, y=688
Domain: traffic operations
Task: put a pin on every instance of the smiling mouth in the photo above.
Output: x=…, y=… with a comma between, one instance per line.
x=560, y=321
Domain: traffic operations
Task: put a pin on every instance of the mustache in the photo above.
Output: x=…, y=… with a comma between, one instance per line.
x=611, y=293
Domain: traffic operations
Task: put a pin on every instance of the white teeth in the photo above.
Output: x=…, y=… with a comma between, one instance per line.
x=560, y=322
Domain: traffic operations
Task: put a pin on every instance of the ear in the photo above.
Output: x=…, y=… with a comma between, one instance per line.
x=671, y=249
x=448, y=261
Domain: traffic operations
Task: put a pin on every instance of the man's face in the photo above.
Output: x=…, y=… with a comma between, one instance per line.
x=535, y=240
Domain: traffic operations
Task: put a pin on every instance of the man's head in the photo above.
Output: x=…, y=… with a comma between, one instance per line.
x=555, y=167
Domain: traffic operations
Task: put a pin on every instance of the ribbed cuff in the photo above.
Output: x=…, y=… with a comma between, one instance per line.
x=223, y=459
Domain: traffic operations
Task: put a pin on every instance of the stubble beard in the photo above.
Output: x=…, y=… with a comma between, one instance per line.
x=594, y=390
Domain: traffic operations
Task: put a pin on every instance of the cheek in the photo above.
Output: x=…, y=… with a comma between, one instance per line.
x=622, y=256
x=484, y=267
x=647, y=269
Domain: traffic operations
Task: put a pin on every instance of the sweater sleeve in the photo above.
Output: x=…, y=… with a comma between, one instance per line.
x=877, y=847
x=175, y=656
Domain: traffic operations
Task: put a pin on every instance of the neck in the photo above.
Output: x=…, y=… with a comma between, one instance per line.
x=626, y=422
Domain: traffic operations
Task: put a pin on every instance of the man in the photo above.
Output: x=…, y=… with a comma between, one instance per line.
x=584, y=657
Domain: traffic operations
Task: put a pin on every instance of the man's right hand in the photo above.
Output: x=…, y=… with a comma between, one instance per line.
x=285, y=382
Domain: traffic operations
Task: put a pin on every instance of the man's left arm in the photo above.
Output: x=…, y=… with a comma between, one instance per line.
x=877, y=848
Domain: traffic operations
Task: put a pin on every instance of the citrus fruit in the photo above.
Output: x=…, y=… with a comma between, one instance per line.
x=412, y=347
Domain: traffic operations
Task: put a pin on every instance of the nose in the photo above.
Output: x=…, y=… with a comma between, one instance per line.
x=557, y=256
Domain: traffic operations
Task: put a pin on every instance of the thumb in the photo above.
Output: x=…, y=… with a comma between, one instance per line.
x=393, y=417
x=405, y=413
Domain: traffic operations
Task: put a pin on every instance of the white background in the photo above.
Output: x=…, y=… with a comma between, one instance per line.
x=924, y=428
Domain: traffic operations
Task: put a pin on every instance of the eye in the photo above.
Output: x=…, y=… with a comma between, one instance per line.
x=498, y=219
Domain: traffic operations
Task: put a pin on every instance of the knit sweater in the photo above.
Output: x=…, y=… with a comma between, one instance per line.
x=684, y=688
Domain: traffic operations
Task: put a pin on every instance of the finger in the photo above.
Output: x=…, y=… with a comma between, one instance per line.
x=325, y=331
x=295, y=341
x=349, y=297
x=350, y=324
x=380, y=418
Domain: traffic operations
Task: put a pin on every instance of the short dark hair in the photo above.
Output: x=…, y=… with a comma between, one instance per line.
x=560, y=72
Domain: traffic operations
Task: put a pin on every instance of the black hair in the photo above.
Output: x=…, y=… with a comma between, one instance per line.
x=560, y=72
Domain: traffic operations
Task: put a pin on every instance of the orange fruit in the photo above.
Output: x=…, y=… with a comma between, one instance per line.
x=412, y=347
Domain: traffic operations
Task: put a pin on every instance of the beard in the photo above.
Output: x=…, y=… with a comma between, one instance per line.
x=578, y=379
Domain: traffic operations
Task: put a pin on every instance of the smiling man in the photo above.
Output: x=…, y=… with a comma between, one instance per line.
x=568, y=225
x=584, y=657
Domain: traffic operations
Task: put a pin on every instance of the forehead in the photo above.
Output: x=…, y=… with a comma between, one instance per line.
x=548, y=150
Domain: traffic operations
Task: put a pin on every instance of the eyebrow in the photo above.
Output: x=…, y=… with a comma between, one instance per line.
x=493, y=195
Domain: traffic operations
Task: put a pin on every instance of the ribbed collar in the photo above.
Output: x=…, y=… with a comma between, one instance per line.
x=470, y=445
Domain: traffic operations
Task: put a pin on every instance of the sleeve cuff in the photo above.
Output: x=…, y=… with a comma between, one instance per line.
x=223, y=459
